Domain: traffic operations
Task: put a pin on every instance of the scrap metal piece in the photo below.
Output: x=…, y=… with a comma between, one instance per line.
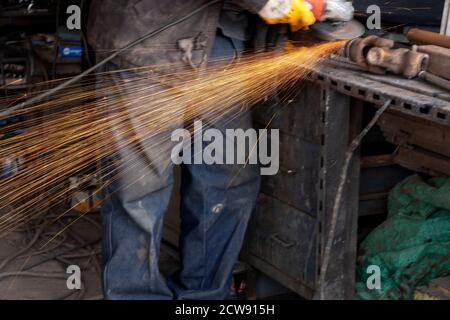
x=436, y=80
x=356, y=50
x=401, y=61
x=377, y=55
x=439, y=63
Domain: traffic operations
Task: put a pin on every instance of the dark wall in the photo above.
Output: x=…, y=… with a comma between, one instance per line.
x=416, y=12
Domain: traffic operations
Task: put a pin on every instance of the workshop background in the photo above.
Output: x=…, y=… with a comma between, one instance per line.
x=394, y=211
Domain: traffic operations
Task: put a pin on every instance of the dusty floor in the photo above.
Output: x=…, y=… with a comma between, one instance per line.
x=34, y=259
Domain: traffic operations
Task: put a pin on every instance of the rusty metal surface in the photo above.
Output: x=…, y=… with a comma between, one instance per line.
x=415, y=85
x=405, y=62
x=356, y=51
x=379, y=55
x=411, y=98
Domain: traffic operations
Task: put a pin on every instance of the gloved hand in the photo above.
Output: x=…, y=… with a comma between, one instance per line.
x=300, y=14
x=297, y=13
x=338, y=10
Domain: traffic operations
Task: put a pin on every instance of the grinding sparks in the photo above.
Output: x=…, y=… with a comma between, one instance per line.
x=90, y=121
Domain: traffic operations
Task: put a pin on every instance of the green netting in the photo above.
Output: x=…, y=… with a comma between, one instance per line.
x=412, y=246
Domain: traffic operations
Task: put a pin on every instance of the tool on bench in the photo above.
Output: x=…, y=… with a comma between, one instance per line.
x=437, y=46
x=378, y=55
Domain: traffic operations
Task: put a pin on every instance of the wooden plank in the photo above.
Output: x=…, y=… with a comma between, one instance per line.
x=402, y=130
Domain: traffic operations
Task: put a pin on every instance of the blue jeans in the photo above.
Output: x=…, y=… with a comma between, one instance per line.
x=216, y=203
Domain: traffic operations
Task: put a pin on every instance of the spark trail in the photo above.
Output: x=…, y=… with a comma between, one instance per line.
x=84, y=124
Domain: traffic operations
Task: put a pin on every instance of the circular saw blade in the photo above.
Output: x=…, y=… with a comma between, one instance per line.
x=331, y=31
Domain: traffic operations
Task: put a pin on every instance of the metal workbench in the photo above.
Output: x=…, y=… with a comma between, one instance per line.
x=288, y=231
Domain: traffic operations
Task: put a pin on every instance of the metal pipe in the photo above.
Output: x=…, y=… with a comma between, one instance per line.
x=436, y=80
x=419, y=36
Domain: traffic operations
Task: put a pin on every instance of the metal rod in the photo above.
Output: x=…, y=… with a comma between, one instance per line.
x=337, y=202
x=436, y=80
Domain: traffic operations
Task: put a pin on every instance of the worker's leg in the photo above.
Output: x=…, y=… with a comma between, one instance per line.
x=217, y=201
x=134, y=209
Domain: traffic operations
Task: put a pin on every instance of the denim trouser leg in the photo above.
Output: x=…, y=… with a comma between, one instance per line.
x=217, y=201
x=131, y=250
x=134, y=208
x=216, y=206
